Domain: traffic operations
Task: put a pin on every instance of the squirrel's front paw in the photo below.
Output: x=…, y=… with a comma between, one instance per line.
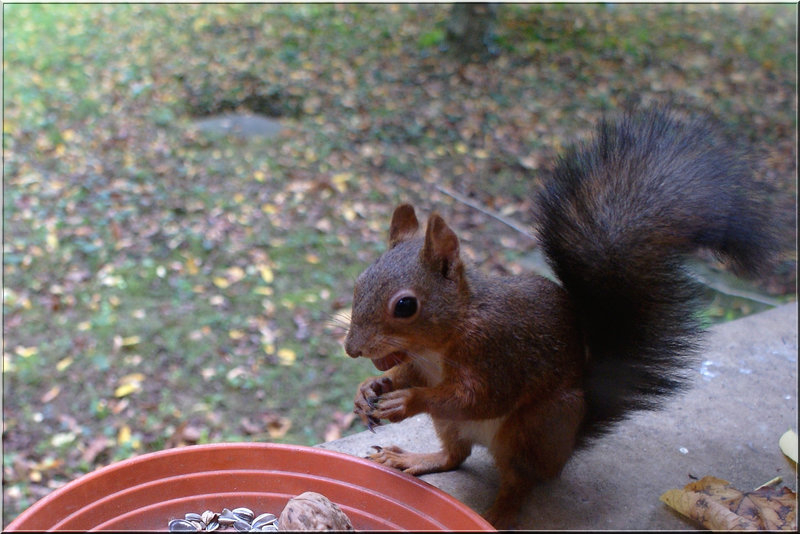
x=367, y=397
x=395, y=405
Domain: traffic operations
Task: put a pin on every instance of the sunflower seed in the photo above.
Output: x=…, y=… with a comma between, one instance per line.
x=245, y=514
x=241, y=526
x=263, y=520
x=241, y=519
x=208, y=517
x=181, y=525
x=226, y=518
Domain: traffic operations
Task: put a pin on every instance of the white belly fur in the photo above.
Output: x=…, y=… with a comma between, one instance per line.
x=480, y=431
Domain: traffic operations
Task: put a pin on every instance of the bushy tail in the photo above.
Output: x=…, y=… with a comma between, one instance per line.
x=616, y=220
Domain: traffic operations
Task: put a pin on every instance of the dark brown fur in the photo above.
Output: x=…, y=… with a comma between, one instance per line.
x=532, y=369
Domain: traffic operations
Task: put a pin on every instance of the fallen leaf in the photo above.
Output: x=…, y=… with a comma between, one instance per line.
x=277, y=426
x=95, y=448
x=235, y=274
x=191, y=266
x=128, y=384
x=51, y=394
x=124, y=435
x=286, y=356
x=332, y=432
x=235, y=334
x=717, y=505
x=126, y=389
x=120, y=342
x=191, y=434
x=341, y=421
x=26, y=352
x=130, y=340
x=788, y=444
x=62, y=438
x=235, y=373
x=266, y=273
x=249, y=426
x=118, y=407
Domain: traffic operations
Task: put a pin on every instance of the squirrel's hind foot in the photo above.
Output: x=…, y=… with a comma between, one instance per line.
x=414, y=463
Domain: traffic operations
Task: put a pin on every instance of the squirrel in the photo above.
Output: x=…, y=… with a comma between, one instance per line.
x=534, y=369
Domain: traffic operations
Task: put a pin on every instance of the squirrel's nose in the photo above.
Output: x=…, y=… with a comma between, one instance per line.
x=353, y=353
x=350, y=348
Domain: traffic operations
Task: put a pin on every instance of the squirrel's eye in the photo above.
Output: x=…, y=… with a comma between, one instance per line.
x=405, y=307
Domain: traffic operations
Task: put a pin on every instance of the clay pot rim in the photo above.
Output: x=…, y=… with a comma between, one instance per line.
x=352, y=472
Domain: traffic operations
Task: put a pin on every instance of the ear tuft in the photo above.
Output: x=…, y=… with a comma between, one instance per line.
x=441, y=249
x=404, y=224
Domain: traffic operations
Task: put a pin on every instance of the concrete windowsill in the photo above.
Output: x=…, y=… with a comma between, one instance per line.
x=744, y=397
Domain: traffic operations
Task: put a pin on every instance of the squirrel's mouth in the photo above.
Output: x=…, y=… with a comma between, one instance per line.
x=387, y=362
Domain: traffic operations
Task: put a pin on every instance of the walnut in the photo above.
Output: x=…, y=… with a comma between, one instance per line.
x=312, y=511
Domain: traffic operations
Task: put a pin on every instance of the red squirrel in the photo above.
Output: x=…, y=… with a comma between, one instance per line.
x=533, y=369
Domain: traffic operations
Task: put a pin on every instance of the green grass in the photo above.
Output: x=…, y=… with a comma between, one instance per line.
x=218, y=269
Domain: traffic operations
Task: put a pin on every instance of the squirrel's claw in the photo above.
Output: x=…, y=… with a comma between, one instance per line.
x=372, y=423
x=369, y=420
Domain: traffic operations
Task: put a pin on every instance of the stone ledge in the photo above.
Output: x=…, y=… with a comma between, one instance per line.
x=744, y=397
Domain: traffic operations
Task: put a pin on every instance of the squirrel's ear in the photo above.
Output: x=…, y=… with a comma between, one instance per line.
x=404, y=224
x=441, y=249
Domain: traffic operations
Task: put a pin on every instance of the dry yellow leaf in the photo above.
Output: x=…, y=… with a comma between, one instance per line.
x=235, y=274
x=266, y=273
x=340, y=181
x=221, y=282
x=130, y=340
x=717, y=505
x=124, y=435
x=235, y=334
x=129, y=384
x=133, y=377
x=126, y=389
x=51, y=241
x=348, y=213
x=26, y=352
x=191, y=266
x=286, y=356
x=788, y=444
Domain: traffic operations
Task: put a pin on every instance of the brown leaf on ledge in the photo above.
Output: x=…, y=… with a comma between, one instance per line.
x=717, y=505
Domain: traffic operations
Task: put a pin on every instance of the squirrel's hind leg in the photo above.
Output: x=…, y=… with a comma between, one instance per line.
x=532, y=446
x=453, y=453
x=416, y=463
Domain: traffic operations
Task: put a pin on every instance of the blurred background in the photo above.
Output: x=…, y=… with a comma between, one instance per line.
x=189, y=191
